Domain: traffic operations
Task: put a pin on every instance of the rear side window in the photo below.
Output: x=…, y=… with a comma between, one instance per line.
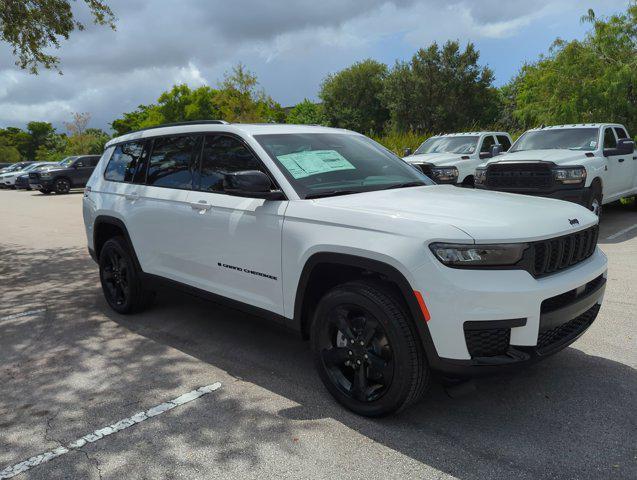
x=127, y=164
x=621, y=133
x=223, y=154
x=487, y=143
x=504, y=141
x=172, y=160
x=609, y=138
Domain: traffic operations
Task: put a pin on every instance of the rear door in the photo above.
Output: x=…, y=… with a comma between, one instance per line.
x=631, y=160
x=235, y=242
x=619, y=166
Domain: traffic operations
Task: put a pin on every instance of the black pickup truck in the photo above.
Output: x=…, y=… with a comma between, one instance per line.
x=73, y=172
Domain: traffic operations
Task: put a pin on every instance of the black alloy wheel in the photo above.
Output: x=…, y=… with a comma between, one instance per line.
x=115, y=278
x=62, y=186
x=356, y=353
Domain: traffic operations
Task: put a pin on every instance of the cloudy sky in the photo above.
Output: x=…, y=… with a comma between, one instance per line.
x=290, y=45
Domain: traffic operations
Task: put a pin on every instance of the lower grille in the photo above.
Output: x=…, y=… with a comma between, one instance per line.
x=521, y=176
x=565, y=299
x=487, y=343
x=554, y=337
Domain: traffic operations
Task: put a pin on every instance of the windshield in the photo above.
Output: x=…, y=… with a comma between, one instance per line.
x=31, y=167
x=459, y=144
x=565, y=138
x=325, y=164
x=67, y=161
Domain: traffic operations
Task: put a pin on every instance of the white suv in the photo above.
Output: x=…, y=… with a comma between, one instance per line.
x=590, y=164
x=325, y=231
x=452, y=158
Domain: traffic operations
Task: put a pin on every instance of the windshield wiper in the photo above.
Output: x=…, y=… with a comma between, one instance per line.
x=405, y=185
x=331, y=193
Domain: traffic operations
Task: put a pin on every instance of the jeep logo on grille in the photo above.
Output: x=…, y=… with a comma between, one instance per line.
x=573, y=221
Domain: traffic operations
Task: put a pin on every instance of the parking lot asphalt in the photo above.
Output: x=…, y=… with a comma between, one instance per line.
x=69, y=365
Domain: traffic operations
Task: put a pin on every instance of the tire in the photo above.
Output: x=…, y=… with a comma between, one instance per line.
x=62, y=186
x=595, y=200
x=389, y=367
x=468, y=182
x=45, y=192
x=120, y=278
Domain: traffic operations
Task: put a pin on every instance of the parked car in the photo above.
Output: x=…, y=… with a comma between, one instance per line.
x=589, y=164
x=453, y=157
x=10, y=171
x=8, y=180
x=22, y=179
x=390, y=276
x=3, y=165
x=72, y=172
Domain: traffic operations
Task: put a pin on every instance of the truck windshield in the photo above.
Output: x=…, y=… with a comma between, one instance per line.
x=328, y=164
x=564, y=138
x=459, y=144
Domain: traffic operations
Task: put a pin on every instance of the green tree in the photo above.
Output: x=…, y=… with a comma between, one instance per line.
x=352, y=97
x=32, y=27
x=41, y=134
x=9, y=154
x=593, y=80
x=307, y=113
x=441, y=89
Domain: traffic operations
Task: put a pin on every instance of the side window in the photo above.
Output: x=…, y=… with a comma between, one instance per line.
x=487, y=143
x=223, y=154
x=609, y=138
x=126, y=162
x=171, y=163
x=504, y=141
x=621, y=133
x=94, y=161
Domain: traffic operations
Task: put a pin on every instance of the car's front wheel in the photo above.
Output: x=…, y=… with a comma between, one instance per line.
x=62, y=186
x=45, y=191
x=121, y=281
x=366, y=349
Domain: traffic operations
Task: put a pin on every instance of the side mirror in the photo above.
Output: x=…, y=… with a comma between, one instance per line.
x=484, y=155
x=407, y=152
x=251, y=183
x=78, y=165
x=625, y=146
x=496, y=150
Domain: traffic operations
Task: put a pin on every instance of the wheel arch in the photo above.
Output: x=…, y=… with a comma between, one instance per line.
x=106, y=227
x=324, y=270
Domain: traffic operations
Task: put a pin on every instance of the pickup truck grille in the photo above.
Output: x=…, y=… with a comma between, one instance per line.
x=426, y=169
x=519, y=176
x=550, y=256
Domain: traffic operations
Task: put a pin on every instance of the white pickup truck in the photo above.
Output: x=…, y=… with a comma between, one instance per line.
x=452, y=158
x=591, y=164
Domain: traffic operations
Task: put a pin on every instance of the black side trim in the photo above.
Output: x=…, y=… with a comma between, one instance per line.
x=489, y=324
x=387, y=271
x=155, y=281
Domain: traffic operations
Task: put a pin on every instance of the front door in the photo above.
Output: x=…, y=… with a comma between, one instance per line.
x=620, y=178
x=235, y=249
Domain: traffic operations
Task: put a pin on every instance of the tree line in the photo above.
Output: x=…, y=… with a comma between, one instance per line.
x=442, y=88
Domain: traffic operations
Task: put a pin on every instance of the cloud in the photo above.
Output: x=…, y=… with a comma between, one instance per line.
x=291, y=45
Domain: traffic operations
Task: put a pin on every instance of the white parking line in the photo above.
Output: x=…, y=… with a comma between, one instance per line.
x=23, y=314
x=621, y=232
x=93, y=437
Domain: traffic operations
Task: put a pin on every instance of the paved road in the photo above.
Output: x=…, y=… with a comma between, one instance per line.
x=72, y=366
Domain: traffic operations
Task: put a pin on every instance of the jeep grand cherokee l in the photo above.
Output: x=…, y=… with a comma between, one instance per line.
x=390, y=276
x=590, y=164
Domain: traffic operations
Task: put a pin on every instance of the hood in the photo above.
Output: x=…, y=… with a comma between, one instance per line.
x=438, y=159
x=557, y=156
x=485, y=216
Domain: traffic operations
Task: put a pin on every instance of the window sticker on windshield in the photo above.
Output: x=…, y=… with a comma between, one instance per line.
x=593, y=144
x=312, y=162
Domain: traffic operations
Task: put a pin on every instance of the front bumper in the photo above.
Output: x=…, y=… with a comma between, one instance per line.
x=506, y=306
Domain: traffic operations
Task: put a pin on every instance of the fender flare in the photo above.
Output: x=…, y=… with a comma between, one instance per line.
x=388, y=271
x=114, y=221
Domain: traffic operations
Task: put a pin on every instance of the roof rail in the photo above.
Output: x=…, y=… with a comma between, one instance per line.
x=181, y=124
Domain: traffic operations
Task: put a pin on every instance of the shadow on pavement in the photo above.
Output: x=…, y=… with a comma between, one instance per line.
x=80, y=365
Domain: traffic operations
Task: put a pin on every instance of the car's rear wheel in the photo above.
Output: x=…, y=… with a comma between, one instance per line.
x=121, y=281
x=62, y=186
x=366, y=349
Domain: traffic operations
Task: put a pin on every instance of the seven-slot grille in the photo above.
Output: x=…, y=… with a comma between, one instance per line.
x=553, y=255
x=521, y=176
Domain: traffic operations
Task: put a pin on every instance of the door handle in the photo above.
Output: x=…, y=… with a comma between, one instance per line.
x=202, y=206
x=131, y=196
x=620, y=160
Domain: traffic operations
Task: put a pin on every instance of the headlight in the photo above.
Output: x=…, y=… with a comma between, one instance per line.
x=570, y=176
x=457, y=255
x=444, y=174
x=480, y=176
